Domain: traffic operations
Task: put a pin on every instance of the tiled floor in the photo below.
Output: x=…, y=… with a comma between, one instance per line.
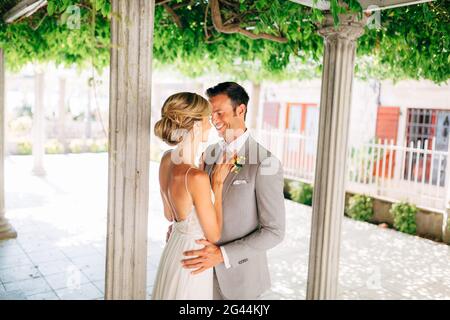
x=60, y=251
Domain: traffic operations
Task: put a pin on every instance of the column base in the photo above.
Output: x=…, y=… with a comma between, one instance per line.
x=6, y=230
x=40, y=172
x=446, y=229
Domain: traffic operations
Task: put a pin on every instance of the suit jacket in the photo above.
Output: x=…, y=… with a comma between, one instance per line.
x=253, y=219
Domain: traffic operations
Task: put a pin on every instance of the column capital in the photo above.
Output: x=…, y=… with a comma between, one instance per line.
x=350, y=27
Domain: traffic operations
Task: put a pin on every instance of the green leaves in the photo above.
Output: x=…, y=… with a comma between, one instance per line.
x=51, y=8
x=301, y=193
x=360, y=207
x=413, y=42
x=404, y=217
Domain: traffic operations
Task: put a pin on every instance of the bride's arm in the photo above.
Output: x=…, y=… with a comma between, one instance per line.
x=209, y=214
x=217, y=188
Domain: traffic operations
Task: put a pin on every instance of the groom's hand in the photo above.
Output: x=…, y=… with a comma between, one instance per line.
x=208, y=257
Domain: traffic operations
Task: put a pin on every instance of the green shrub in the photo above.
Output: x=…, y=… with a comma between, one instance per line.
x=404, y=217
x=21, y=125
x=53, y=146
x=360, y=207
x=301, y=193
x=24, y=147
x=76, y=146
x=287, y=189
x=97, y=145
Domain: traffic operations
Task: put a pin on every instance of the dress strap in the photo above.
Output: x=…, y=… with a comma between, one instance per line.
x=185, y=180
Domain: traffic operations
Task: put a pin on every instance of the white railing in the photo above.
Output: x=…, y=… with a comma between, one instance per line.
x=414, y=173
x=296, y=152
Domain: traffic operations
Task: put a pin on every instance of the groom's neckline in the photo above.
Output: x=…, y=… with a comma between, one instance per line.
x=238, y=143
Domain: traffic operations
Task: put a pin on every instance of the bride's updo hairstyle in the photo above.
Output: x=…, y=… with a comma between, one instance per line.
x=178, y=115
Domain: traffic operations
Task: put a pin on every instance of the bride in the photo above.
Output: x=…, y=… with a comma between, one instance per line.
x=187, y=198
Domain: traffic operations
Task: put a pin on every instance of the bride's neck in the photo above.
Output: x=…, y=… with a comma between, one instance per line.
x=187, y=151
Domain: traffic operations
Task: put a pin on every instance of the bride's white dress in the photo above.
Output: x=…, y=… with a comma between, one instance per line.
x=173, y=282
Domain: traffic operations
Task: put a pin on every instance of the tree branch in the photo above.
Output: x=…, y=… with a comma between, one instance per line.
x=183, y=4
x=235, y=28
x=205, y=22
x=176, y=19
x=161, y=1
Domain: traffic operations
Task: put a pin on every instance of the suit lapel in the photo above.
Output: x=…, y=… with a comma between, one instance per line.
x=244, y=151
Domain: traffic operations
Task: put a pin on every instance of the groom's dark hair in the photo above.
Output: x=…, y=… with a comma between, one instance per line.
x=234, y=91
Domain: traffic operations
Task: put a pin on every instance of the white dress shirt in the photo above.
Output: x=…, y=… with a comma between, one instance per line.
x=233, y=146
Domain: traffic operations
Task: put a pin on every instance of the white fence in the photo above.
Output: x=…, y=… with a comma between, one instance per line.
x=414, y=173
x=296, y=152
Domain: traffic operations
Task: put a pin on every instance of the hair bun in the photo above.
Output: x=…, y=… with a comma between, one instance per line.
x=172, y=117
x=178, y=115
x=168, y=131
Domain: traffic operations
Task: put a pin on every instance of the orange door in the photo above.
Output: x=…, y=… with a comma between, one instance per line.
x=386, y=128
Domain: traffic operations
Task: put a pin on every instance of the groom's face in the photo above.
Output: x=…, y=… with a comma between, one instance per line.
x=223, y=117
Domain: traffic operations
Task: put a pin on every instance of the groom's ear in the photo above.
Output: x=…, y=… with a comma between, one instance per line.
x=241, y=110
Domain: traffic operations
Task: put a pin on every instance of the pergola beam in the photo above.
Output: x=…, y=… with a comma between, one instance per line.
x=365, y=4
x=24, y=8
x=376, y=5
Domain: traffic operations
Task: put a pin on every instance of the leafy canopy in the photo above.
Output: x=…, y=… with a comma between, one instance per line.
x=199, y=36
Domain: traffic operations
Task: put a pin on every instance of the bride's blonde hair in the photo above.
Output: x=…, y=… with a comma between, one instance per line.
x=178, y=115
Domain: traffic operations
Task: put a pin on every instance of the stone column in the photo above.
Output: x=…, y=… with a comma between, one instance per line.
x=88, y=128
x=129, y=143
x=329, y=187
x=255, y=105
x=6, y=230
x=62, y=114
x=38, y=124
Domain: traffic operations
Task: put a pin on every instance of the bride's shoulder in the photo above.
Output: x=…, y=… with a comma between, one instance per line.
x=164, y=164
x=166, y=155
x=197, y=173
x=197, y=177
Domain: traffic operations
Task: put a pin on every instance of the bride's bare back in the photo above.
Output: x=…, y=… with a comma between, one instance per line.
x=172, y=179
x=182, y=189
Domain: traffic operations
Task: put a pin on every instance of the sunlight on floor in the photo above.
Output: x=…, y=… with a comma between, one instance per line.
x=60, y=251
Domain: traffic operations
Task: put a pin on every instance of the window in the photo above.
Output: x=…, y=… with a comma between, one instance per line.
x=302, y=118
x=421, y=126
x=430, y=125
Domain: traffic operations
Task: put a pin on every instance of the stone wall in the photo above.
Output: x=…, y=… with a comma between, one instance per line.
x=430, y=223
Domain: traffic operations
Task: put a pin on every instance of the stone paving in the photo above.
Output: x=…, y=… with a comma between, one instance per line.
x=60, y=251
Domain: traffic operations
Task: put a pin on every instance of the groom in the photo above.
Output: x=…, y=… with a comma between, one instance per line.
x=253, y=203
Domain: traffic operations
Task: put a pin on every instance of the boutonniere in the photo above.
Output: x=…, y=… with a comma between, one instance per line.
x=238, y=163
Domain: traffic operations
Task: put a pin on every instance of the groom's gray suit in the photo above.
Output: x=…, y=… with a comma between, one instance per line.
x=253, y=220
